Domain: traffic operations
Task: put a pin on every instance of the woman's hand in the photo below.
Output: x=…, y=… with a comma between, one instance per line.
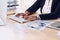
x=32, y=18
x=24, y=15
x=20, y=14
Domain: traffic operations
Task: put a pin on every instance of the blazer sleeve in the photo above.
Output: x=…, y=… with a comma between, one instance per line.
x=35, y=6
x=53, y=15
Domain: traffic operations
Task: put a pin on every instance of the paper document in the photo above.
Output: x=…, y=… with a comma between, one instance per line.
x=55, y=25
x=37, y=25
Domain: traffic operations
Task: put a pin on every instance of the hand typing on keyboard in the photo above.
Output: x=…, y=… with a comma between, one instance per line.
x=22, y=14
x=32, y=18
x=27, y=16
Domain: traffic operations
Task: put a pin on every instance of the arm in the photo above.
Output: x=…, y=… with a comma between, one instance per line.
x=53, y=15
x=34, y=7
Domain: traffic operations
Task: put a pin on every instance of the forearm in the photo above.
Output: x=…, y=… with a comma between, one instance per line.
x=48, y=16
x=34, y=7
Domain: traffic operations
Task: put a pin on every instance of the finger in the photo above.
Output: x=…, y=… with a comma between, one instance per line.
x=19, y=14
x=26, y=17
x=32, y=18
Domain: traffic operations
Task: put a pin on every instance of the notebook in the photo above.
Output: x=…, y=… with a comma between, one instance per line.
x=37, y=24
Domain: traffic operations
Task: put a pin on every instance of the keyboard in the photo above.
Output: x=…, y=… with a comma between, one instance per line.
x=17, y=19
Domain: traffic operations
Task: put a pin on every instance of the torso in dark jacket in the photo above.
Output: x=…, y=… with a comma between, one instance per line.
x=55, y=9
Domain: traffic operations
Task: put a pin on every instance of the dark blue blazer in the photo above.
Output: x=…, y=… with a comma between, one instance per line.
x=55, y=9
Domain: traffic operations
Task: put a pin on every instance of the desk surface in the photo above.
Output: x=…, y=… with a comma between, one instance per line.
x=27, y=34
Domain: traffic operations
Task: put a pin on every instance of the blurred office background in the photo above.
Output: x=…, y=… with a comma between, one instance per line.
x=19, y=5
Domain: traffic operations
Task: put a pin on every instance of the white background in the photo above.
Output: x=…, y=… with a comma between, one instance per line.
x=3, y=9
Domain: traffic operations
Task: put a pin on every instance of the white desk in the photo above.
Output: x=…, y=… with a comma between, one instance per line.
x=20, y=33
x=14, y=31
